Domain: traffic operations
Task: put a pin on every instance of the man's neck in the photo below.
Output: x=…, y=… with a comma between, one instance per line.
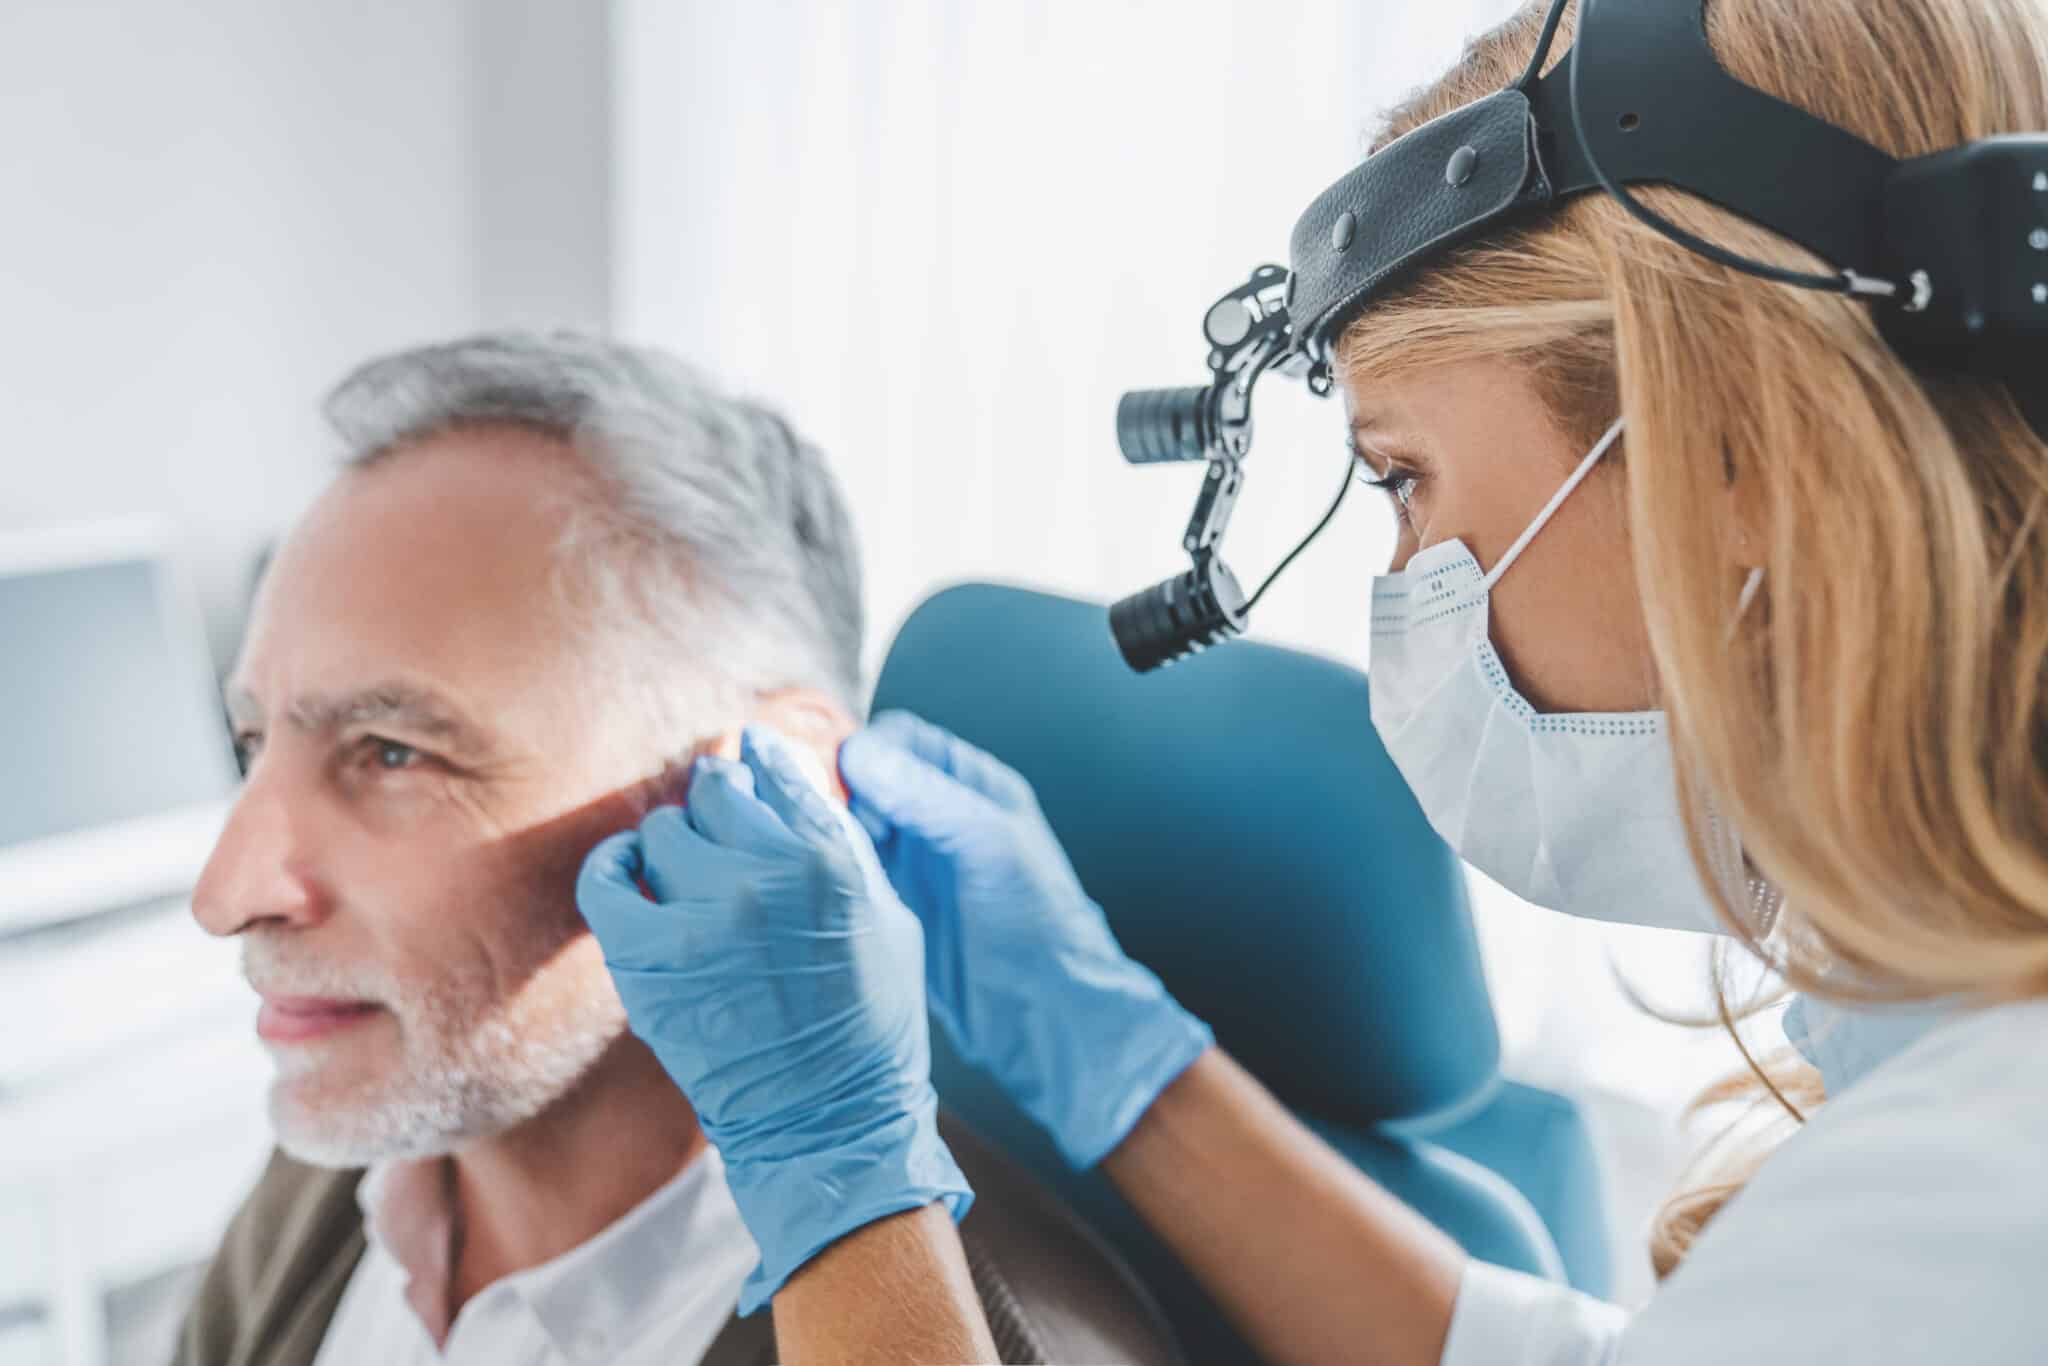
x=566, y=1175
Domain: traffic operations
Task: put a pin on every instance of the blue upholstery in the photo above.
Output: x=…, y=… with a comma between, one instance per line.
x=1250, y=841
x=1538, y=1141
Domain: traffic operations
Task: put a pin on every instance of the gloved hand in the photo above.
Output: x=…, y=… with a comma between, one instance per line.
x=1023, y=971
x=779, y=981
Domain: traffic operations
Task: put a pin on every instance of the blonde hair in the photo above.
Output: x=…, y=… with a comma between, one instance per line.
x=1876, y=728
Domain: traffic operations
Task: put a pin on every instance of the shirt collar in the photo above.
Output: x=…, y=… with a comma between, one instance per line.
x=1847, y=1043
x=597, y=1297
x=591, y=1299
x=408, y=1211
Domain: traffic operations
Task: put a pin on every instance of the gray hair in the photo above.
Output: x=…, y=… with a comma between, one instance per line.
x=722, y=541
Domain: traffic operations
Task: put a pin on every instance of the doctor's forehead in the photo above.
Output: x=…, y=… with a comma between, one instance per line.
x=1450, y=409
x=1392, y=402
x=435, y=567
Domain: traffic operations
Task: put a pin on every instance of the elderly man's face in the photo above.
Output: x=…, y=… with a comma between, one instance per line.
x=429, y=761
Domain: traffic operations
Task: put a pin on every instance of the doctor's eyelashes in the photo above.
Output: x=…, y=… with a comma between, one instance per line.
x=1398, y=481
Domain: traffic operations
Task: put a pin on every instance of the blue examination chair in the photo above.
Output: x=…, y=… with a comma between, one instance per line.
x=1250, y=841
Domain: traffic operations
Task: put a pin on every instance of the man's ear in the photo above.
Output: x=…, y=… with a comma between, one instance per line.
x=808, y=718
x=671, y=785
x=811, y=720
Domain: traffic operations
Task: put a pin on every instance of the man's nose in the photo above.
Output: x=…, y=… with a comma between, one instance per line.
x=262, y=870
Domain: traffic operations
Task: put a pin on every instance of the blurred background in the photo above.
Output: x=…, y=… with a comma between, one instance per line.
x=944, y=235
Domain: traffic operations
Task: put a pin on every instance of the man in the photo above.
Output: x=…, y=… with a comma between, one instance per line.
x=551, y=570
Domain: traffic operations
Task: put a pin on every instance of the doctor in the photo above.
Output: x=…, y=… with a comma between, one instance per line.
x=1684, y=552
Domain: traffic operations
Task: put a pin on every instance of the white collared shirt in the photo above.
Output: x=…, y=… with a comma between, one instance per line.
x=654, y=1287
x=1906, y=1222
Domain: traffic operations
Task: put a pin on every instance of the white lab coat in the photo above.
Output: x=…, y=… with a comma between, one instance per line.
x=1906, y=1222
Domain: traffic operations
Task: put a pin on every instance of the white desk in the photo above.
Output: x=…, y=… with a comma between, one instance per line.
x=131, y=1117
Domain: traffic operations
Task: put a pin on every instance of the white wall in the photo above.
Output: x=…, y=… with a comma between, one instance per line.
x=544, y=161
x=212, y=210
x=946, y=236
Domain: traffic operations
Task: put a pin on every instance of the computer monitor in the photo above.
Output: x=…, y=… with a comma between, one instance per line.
x=119, y=764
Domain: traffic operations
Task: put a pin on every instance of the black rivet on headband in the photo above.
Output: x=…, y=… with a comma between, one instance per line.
x=1460, y=169
x=1343, y=230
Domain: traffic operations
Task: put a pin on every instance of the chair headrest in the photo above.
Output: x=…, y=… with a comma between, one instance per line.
x=1249, y=839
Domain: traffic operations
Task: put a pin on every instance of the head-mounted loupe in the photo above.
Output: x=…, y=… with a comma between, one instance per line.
x=1951, y=247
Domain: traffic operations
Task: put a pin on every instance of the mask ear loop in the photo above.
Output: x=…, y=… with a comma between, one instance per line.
x=1743, y=599
x=1749, y=587
x=1550, y=508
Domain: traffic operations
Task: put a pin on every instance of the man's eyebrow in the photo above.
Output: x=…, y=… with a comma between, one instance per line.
x=409, y=706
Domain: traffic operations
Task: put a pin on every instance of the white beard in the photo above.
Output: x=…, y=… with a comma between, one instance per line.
x=469, y=1066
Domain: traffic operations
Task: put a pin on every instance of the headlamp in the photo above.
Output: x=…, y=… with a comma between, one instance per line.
x=1952, y=248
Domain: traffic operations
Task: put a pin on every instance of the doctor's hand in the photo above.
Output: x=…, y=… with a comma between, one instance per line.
x=763, y=957
x=1023, y=971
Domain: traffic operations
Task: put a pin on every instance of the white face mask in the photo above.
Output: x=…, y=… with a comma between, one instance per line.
x=1575, y=811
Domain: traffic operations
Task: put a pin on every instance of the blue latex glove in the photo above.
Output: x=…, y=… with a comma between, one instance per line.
x=1023, y=971
x=778, y=979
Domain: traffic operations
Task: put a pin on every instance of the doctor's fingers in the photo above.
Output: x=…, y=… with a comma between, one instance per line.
x=784, y=781
x=712, y=874
x=633, y=925
x=725, y=807
x=947, y=752
x=664, y=897
x=893, y=791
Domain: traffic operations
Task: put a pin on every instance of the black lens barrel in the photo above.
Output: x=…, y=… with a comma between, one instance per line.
x=1189, y=612
x=1154, y=425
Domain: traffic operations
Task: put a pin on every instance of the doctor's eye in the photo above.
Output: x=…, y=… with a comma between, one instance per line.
x=248, y=743
x=1398, y=483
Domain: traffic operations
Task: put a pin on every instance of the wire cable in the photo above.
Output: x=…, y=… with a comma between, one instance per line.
x=1314, y=532
x=1543, y=41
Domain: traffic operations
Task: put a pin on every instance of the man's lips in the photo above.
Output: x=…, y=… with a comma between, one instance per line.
x=292, y=1019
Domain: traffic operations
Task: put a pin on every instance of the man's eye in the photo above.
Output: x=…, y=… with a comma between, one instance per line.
x=391, y=754
x=247, y=744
